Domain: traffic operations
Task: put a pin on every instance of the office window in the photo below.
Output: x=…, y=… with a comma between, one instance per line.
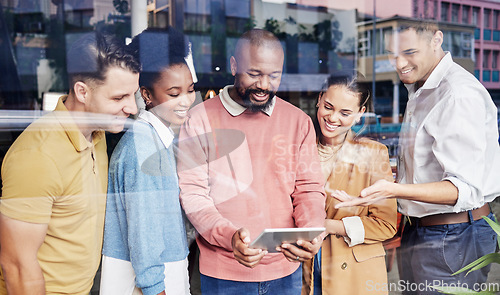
x=475, y=16
x=465, y=14
x=386, y=32
x=467, y=45
x=197, y=6
x=380, y=49
x=458, y=43
x=237, y=8
x=454, y=12
x=445, y=8
x=486, y=59
x=494, y=59
x=364, y=43
x=496, y=35
x=495, y=76
x=486, y=18
x=477, y=33
x=487, y=34
x=496, y=14
x=487, y=76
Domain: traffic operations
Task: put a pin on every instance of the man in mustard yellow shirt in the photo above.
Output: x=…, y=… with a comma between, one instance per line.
x=55, y=175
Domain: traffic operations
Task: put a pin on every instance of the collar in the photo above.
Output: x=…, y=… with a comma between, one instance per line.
x=437, y=74
x=235, y=109
x=165, y=133
x=74, y=133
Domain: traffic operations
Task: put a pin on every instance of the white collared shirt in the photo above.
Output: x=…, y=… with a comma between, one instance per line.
x=450, y=133
x=165, y=133
x=236, y=109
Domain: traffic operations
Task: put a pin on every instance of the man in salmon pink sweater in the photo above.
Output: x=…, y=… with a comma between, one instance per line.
x=248, y=161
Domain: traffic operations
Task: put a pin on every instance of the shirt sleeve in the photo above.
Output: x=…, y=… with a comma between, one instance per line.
x=308, y=197
x=354, y=229
x=31, y=183
x=193, y=171
x=141, y=195
x=459, y=146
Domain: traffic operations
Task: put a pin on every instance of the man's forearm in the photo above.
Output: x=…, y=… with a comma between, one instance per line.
x=441, y=192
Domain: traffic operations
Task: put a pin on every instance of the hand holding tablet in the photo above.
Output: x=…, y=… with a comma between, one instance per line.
x=272, y=238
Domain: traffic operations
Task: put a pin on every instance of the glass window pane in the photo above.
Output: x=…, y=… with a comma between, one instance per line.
x=237, y=8
x=454, y=12
x=197, y=6
x=475, y=15
x=487, y=34
x=487, y=76
x=496, y=35
x=319, y=38
x=308, y=58
x=465, y=14
x=456, y=44
x=495, y=76
x=477, y=33
x=486, y=18
x=445, y=9
x=496, y=14
x=202, y=52
x=486, y=59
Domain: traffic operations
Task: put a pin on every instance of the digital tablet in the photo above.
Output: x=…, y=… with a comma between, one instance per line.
x=271, y=238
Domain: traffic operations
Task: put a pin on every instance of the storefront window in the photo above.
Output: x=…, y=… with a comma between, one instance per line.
x=319, y=39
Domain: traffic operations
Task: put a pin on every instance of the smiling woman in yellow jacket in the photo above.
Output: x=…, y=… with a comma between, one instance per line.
x=352, y=257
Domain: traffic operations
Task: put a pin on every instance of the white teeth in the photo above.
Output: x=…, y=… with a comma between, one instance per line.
x=407, y=71
x=260, y=94
x=330, y=126
x=181, y=113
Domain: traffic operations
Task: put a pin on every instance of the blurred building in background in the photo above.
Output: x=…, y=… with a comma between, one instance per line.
x=319, y=37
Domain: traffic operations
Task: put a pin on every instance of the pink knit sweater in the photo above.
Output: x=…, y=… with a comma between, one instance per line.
x=254, y=171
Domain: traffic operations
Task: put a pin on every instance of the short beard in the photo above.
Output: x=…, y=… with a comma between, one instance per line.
x=253, y=106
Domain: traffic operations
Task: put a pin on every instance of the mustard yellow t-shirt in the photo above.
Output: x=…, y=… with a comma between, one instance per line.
x=53, y=175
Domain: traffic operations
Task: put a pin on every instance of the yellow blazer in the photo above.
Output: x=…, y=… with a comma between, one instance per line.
x=359, y=269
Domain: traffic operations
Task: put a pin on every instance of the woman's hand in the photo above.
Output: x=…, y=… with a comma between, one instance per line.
x=380, y=190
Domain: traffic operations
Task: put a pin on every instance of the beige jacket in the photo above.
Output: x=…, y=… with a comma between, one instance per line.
x=359, y=269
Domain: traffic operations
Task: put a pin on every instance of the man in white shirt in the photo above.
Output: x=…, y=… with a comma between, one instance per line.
x=449, y=164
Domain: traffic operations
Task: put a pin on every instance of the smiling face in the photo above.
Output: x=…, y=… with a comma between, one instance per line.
x=172, y=94
x=257, y=72
x=114, y=96
x=415, y=55
x=338, y=110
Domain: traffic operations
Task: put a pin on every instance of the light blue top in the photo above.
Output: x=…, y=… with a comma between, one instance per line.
x=144, y=221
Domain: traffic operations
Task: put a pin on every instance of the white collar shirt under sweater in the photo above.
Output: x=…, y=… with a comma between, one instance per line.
x=450, y=133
